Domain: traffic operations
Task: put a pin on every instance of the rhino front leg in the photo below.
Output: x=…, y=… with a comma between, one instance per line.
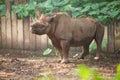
x=61, y=55
x=65, y=49
x=58, y=47
x=60, y=52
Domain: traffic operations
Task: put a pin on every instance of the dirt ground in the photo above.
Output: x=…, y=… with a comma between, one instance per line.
x=28, y=65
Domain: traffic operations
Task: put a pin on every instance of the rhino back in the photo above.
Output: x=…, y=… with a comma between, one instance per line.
x=75, y=30
x=83, y=28
x=63, y=30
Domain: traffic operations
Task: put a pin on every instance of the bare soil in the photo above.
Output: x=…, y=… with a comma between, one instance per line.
x=28, y=65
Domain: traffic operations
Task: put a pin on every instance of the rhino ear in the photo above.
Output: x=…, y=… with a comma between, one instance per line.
x=42, y=17
x=51, y=19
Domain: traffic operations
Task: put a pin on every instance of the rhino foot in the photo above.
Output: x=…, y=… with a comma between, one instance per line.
x=80, y=57
x=96, y=58
x=59, y=61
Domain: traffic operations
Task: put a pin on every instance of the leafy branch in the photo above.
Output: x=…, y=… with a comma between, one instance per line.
x=102, y=10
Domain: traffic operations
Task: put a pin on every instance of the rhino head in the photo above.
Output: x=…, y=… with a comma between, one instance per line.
x=43, y=25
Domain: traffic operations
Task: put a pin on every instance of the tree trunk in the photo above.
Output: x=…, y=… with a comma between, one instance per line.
x=7, y=2
x=8, y=23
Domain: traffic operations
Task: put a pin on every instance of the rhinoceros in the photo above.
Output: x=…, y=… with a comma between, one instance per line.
x=66, y=32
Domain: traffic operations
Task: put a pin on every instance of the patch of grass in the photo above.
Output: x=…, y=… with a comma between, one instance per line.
x=86, y=73
x=45, y=78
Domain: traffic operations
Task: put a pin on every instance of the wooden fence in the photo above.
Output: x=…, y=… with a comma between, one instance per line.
x=15, y=34
x=113, y=36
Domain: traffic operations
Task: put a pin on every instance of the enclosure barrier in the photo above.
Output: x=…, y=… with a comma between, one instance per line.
x=15, y=33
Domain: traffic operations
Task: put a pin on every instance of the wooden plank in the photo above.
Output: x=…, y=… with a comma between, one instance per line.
x=32, y=41
x=44, y=42
x=20, y=34
x=111, y=38
x=3, y=32
x=38, y=42
x=108, y=46
x=26, y=33
x=117, y=36
x=8, y=24
x=8, y=29
x=14, y=32
x=0, y=35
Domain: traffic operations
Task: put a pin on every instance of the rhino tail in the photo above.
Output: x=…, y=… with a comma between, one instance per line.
x=99, y=37
x=99, y=31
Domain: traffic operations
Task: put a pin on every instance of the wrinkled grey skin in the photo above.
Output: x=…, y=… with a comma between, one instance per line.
x=66, y=32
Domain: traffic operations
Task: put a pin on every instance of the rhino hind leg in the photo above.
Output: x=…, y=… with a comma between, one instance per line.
x=98, y=38
x=61, y=56
x=85, y=51
x=99, y=49
x=98, y=42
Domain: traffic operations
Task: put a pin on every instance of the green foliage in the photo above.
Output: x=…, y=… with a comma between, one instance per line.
x=46, y=7
x=105, y=11
x=59, y=3
x=49, y=5
x=117, y=77
x=89, y=74
x=83, y=72
x=2, y=1
x=47, y=51
x=2, y=8
x=92, y=47
x=104, y=43
x=24, y=10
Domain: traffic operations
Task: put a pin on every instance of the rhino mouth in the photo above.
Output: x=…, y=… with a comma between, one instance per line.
x=38, y=31
x=33, y=31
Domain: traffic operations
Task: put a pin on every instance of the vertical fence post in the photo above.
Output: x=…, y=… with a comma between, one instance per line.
x=32, y=41
x=3, y=32
x=20, y=33
x=0, y=35
x=117, y=35
x=14, y=31
x=8, y=23
x=111, y=38
x=26, y=33
x=44, y=42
